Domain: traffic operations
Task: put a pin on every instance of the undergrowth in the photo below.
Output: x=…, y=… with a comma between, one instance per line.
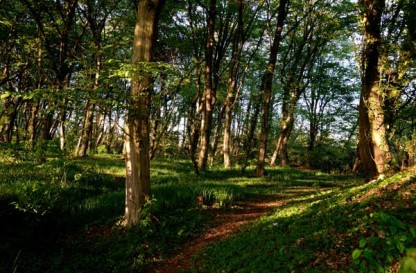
x=356, y=228
x=61, y=216
x=58, y=215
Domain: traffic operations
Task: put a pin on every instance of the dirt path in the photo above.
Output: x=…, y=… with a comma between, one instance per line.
x=225, y=223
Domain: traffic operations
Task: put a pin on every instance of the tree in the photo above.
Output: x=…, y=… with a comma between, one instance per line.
x=267, y=84
x=96, y=15
x=312, y=30
x=374, y=150
x=138, y=127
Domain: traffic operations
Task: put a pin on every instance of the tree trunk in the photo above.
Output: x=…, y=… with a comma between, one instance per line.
x=62, y=128
x=7, y=119
x=249, y=140
x=209, y=94
x=373, y=146
x=226, y=140
x=281, y=145
x=217, y=135
x=267, y=85
x=86, y=131
x=137, y=133
x=32, y=122
x=232, y=83
x=87, y=127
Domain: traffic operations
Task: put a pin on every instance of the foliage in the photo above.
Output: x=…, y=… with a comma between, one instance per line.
x=392, y=237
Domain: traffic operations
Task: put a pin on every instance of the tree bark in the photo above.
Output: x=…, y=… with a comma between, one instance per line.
x=86, y=131
x=232, y=83
x=266, y=87
x=217, y=135
x=209, y=93
x=137, y=131
x=373, y=146
x=290, y=98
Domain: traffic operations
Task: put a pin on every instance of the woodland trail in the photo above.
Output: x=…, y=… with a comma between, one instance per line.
x=225, y=223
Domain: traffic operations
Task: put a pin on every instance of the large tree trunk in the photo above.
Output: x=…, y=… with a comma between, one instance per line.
x=137, y=133
x=266, y=87
x=373, y=146
x=209, y=93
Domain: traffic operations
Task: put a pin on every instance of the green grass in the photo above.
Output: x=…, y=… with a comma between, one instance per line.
x=319, y=232
x=62, y=217
x=58, y=214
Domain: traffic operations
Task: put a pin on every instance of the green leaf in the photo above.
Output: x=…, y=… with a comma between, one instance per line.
x=400, y=246
x=363, y=242
x=403, y=238
x=356, y=254
x=389, y=258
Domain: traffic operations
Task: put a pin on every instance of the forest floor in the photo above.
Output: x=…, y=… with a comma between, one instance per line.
x=293, y=220
x=224, y=222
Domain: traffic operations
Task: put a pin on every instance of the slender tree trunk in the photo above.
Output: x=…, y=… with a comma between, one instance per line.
x=100, y=132
x=217, y=135
x=137, y=131
x=7, y=119
x=232, y=83
x=193, y=124
x=36, y=103
x=249, y=140
x=62, y=127
x=32, y=122
x=154, y=134
x=266, y=87
x=226, y=140
x=373, y=146
x=88, y=124
x=209, y=94
x=281, y=145
x=86, y=131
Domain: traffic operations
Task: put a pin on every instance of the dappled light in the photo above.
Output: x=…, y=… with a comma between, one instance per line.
x=208, y=136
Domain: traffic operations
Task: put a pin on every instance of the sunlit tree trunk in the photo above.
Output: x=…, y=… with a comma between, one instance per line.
x=232, y=83
x=193, y=123
x=138, y=127
x=266, y=87
x=286, y=126
x=373, y=146
x=209, y=96
x=217, y=135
